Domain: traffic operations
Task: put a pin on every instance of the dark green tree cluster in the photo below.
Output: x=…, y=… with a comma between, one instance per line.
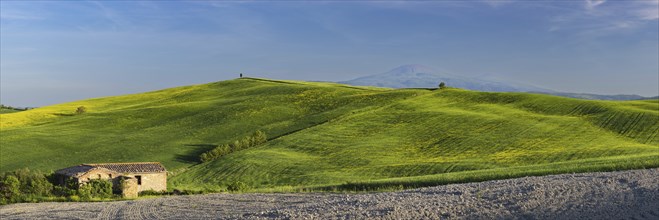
x=96, y=188
x=81, y=110
x=255, y=139
x=13, y=108
x=24, y=185
x=237, y=187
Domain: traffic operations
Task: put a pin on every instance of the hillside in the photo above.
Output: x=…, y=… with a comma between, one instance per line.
x=599, y=97
x=325, y=134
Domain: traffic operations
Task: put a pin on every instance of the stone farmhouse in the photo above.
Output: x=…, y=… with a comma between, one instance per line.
x=136, y=177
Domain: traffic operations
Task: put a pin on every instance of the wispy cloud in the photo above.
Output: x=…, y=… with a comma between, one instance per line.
x=498, y=3
x=14, y=16
x=110, y=15
x=223, y=4
x=18, y=15
x=649, y=10
x=601, y=17
x=591, y=4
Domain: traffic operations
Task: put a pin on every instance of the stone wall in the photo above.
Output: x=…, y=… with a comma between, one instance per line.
x=150, y=181
x=98, y=174
x=146, y=181
x=130, y=188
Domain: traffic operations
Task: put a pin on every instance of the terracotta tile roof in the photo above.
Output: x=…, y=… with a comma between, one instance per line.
x=142, y=167
x=77, y=171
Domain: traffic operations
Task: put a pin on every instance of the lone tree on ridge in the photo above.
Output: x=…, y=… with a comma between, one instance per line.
x=442, y=85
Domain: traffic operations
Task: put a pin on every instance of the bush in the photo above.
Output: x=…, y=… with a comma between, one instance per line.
x=74, y=198
x=9, y=189
x=153, y=193
x=81, y=110
x=85, y=192
x=236, y=146
x=237, y=186
x=224, y=149
x=96, y=188
x=100, y=188
x=33, y=182
x=149, y=193
x=246, y=142
x=185, y=192
x=260, y=137
x=63, y=191
x=24, y=185
x=204, y=157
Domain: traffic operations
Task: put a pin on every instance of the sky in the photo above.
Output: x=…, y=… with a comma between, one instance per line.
x=60, y=51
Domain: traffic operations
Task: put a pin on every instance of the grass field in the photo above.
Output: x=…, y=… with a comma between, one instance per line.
x=326, y=136
x=5, y=110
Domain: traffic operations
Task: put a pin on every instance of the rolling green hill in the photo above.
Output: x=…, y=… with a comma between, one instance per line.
x=325, y=134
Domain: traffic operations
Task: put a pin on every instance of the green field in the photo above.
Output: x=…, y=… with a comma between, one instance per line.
x=326, y=136
x=5, y=110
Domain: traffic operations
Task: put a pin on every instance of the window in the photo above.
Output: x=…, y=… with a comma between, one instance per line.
x=110, y=176
x=139, y=180
x=99, y=176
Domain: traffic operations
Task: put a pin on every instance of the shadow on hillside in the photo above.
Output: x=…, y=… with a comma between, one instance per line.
x=63, y=114
x=193, y=153
x=429, y=89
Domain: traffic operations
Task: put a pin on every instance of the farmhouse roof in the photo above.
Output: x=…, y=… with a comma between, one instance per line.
x=75, y=171
x=140, y=167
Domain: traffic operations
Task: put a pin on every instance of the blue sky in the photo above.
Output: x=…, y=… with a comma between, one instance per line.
x=57, y=51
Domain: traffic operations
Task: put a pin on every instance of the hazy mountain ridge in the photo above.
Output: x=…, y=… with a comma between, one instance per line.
x=419, y=76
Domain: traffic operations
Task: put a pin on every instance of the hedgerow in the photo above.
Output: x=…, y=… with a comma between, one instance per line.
x=258, y=138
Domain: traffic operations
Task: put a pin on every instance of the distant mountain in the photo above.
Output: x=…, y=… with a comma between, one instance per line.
x=419, y=76
x=650, y=98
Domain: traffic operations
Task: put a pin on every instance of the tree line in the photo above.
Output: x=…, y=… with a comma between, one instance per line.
x=14, y=108
x=257, y=138
x=24, y=185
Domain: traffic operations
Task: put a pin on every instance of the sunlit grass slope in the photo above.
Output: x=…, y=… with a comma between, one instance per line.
x=450, y=131
x=325, y=134
x=172, y=126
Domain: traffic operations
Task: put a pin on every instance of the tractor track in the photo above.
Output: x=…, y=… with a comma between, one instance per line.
x=630, y=194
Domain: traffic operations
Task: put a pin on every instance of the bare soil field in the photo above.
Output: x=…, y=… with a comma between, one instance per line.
x=612, y=195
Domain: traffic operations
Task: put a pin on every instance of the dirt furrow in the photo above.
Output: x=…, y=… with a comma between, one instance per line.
x=614, y=195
